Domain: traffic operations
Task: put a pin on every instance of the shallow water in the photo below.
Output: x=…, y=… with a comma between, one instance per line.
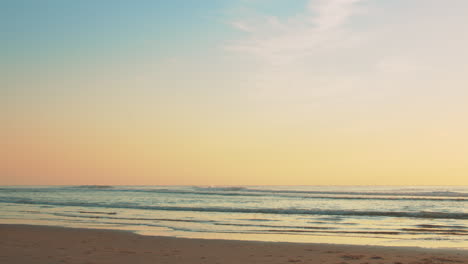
x=378, y=215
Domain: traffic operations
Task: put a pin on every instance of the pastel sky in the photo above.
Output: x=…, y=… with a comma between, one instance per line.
x=224, y=92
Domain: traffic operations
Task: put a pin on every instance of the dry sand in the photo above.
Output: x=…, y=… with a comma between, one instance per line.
x=49, y=245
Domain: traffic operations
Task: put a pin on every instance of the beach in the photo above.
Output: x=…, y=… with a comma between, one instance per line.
x=432, y=217
x=234, y=132
x=48, y=245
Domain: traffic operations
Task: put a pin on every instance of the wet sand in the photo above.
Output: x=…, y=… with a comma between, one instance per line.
x=48, y=245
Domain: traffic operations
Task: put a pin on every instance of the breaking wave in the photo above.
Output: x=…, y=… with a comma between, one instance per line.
x=286, y=211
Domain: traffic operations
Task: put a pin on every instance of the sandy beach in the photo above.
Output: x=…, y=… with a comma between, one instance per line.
x=48, y=245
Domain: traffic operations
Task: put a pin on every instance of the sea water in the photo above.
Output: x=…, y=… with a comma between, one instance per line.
x=434, y=216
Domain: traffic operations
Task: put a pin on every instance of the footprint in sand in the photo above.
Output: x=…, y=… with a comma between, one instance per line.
x=127, y=252
x=352, y=257
x=441, y=260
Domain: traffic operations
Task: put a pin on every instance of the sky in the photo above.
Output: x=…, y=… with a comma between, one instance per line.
x=234, y=92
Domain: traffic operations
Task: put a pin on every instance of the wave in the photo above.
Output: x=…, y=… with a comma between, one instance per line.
x=340, y=232
x=280, y=228
x=92, y=187
x=257, y=192
x=133, y=218
x=200, y=192
x=28, y=189
x=438, y=231
x=236, y=191
x=286, y=211
x=55, y=188
x=441, y=226
x=220, y=188
x=424, y=194
x=99, y=213
x=311, y=195
x=411, y=194
x=189, y=221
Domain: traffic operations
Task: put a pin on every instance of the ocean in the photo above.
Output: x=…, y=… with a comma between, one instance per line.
x=425, y=216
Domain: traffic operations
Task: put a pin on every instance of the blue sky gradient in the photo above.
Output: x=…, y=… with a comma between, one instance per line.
x=271, y=91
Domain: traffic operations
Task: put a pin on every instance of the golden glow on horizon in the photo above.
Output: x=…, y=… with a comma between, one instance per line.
x=173, y=153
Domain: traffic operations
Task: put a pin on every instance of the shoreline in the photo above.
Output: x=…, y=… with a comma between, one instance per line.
x=56, y=244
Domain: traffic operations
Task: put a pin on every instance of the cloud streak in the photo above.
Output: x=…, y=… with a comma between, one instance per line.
x=282, y=41
x=332, y=13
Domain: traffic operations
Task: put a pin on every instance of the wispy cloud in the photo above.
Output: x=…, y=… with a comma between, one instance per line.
x=280, y=41
x=300, y=55
x=332, y=14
